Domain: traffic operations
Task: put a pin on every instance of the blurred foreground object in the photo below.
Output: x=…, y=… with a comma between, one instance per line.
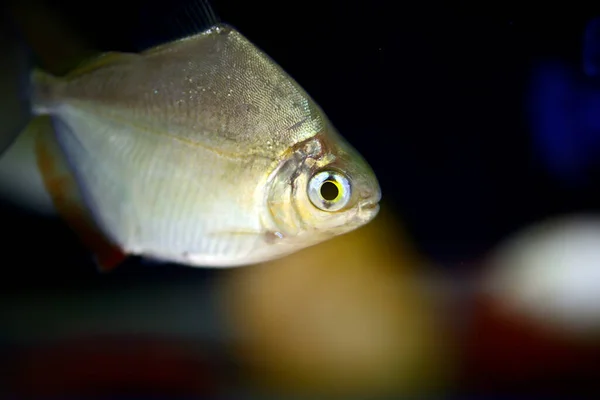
x=111, y=366
x=535, y=325
x=551, y=273
x=564, y=113
x=591, y=48
x=341, y=318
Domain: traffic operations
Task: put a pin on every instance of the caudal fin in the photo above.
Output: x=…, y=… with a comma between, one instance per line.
x=32, y=33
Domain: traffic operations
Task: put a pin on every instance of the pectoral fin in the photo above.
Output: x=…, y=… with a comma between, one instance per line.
x=67, y=200
x=269, y=236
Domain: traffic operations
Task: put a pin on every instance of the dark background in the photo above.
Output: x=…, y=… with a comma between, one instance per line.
x=433, y=94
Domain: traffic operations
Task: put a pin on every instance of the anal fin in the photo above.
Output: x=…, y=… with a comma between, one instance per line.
x=62, y=188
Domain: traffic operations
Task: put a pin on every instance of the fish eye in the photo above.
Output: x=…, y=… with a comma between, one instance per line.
x=329, y=190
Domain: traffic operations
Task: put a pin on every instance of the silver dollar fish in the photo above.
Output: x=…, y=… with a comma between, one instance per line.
x=201, y=151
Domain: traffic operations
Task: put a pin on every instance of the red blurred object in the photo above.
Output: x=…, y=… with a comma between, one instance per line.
x=506, y=353
x=110, y=366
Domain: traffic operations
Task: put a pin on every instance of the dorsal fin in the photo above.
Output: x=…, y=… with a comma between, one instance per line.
x=174, y=20
x=63, y=190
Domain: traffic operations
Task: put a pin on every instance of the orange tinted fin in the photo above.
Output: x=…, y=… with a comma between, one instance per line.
x=63, y=190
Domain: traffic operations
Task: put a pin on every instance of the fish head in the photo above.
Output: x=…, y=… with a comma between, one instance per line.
x=321, y=188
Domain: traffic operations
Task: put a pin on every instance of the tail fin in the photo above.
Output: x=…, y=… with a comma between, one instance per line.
x=15, y=106
x=31, y=32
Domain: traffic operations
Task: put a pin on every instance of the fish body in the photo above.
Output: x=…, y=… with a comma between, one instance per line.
x=201, y=151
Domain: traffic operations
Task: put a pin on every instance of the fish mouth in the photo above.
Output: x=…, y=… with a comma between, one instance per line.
x=369, y=205
x=370, y=208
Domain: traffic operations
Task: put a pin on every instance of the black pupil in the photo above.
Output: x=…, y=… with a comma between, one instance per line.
x=329, y=190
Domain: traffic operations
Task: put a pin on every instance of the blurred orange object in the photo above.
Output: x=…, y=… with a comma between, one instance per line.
x=345, y=317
